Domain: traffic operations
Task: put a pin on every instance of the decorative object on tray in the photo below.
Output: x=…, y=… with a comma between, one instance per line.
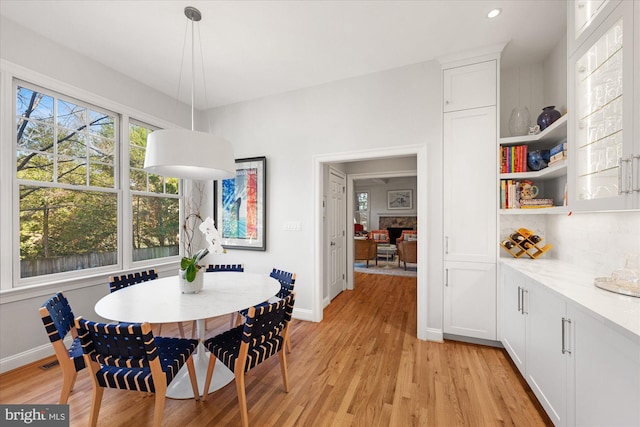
x=519, y=121
x=191, y=276
x=548, y=116
x=524, y=241
x=625, y=280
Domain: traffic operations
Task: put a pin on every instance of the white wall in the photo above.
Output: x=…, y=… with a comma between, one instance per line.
x=399, y=107
x=38, y=60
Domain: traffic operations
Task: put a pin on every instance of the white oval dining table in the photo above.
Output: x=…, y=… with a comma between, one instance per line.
x=160, y=301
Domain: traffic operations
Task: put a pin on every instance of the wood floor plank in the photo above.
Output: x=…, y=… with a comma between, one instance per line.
x=361, y=366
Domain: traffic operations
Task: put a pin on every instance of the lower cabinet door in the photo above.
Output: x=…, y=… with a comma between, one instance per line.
x=546, y=362
x=605, y=373
x=470, y=299
x=514, y=316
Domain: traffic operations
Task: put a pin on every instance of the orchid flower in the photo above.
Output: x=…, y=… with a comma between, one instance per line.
x=190, y=265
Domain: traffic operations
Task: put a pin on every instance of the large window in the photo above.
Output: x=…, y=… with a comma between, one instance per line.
x=155, y=203
x=362, y=209
x=71, y=188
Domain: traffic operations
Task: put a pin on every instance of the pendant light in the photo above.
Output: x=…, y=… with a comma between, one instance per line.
x=189, y=154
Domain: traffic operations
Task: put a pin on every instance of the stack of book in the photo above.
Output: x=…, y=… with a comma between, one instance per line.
x=536, y=203
x=558, y=153
x=513, y=159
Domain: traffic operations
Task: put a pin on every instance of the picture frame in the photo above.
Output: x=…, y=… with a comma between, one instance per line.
x=399, y=199
x=240, y=206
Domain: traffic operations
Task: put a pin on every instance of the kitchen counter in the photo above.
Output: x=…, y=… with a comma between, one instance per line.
x=577, y=285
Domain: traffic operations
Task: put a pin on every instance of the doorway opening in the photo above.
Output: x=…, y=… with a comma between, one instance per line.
x=321, y=164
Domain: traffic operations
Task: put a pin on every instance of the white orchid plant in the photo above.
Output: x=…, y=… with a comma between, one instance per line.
x=190, y=264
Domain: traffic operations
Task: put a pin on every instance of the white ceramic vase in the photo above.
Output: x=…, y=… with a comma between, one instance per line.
x=194, y=287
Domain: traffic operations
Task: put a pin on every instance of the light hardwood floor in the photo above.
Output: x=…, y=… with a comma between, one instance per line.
x=361, y=366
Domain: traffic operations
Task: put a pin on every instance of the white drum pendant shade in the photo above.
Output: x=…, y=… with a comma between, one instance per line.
x=189, y=154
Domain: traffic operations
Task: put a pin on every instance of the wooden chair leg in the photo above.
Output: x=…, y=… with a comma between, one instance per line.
x=238, y=319
x=159, y=408
x=159, y=330
x=69, y=375
x=207, y=382
x=96, y=401
x=194, y=330
x=242, y=397
x=193, y=378
x=287, y=341
x=283, y=368
x=181, y=329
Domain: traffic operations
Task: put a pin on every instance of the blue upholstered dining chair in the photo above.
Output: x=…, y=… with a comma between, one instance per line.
x=122, y=281
x=58, y=321
x=246, y=346
x=287, y=281
x=127, y=356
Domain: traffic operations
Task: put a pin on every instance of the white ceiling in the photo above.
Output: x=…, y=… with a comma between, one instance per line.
x=259, y=48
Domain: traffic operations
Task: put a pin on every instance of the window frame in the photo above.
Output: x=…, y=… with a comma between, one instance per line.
x=12, y=286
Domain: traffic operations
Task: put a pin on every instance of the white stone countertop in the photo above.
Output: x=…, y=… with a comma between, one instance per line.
x=620, y=312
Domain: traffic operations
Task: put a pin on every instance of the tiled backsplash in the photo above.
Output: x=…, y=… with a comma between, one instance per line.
x=595, y=241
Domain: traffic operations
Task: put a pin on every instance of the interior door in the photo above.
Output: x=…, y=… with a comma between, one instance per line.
x=337, y=230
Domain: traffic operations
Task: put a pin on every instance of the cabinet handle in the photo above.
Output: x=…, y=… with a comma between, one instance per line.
x=446, y=245
x=446, y=102
x=565, y=321
x=519, y=299
x=620, y=176
x=635, y=171
x=446, y=277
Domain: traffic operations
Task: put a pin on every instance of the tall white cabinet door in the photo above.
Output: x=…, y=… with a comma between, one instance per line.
x=606, y=373
x=470, y=86
x=546, y=362
x=470, y=195
x=470, y=299
x=514, y=316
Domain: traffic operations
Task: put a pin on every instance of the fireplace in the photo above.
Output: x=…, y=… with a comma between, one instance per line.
x=395, y=232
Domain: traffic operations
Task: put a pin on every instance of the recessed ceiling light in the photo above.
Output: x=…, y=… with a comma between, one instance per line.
x=493, y=13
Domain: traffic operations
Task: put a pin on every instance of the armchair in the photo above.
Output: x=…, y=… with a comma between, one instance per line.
x=379, y=236
x=405, y=235
x=407, y=252
x=365, y=250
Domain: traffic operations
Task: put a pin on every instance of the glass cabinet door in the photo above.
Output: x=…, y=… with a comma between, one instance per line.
x=585, y=11
x=599, y=133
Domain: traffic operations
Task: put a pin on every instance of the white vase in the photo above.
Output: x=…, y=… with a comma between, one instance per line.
x=519, y=121
x=194, y=287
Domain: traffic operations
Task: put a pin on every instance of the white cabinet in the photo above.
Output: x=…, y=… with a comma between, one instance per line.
x=583, y=371
x=470, y=300
x=583, y=16
x=604, y=373
x=604, y=153
x=547, y=328
x=470, y=195
x=514, y=316
x=470, y=86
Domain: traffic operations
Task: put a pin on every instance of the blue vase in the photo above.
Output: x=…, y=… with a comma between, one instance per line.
x=548, y=116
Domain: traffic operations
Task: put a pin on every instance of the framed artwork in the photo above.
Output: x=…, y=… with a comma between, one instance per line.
x=399, y=199
x=240, y=207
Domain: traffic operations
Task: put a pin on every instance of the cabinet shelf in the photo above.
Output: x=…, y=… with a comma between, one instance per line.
x=554, y=171
x=550, y=136
x=553, y=210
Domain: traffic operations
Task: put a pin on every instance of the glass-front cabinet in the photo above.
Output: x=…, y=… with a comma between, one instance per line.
x=604, y=167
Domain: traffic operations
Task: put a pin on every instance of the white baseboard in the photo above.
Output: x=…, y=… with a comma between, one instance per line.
x=302, y=314
x=33, y=355
x=435, y=335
